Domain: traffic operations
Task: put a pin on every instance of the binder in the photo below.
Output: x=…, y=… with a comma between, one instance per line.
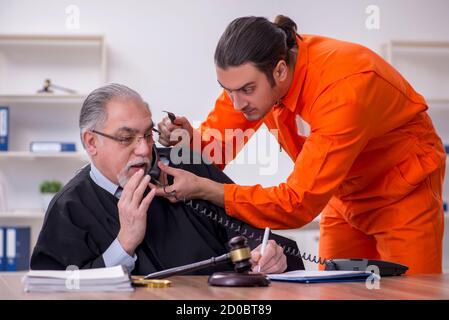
x=304, y=276
x=17, y=248
x=4, y=128
x=52, y=146
x=2, y=250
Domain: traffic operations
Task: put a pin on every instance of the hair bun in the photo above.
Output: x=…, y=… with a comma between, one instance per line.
x=290, y=28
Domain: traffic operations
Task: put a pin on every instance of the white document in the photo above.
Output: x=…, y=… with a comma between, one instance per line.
x=99, y=279
x=84, y=274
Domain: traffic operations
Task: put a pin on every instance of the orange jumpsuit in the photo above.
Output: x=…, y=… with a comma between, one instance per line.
x=373, y=165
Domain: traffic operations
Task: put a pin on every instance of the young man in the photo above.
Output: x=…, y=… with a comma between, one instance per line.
x=105, y=215
x=373, y=165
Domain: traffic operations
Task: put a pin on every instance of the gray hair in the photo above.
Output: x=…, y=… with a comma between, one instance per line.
x=93, y=112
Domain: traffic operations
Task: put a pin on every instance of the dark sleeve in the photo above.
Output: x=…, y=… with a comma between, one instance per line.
x=62, y=242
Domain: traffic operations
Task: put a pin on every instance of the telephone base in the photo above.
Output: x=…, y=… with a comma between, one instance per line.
x=233, y=279
x=386, y=268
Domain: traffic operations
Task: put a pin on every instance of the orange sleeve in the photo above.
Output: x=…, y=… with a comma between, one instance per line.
x=225, y=132
x=340, y=128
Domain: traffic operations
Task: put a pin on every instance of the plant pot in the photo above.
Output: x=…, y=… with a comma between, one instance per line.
x=46, y=198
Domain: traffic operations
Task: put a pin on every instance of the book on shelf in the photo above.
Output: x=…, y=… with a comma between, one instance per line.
x=74, y=280
x=2, y=250
x=15, y=251
x=52, y=146
x=4, y=128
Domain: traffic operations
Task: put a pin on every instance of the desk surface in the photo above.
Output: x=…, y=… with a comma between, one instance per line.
x=196, y=288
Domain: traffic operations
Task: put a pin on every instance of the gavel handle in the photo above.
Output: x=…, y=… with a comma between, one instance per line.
x=62, y=88
x=189, y=267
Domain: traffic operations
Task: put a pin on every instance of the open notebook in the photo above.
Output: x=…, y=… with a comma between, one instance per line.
x=306, y=276
x=100, y=279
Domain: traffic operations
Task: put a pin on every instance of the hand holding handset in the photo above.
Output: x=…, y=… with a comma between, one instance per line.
x=154, y=172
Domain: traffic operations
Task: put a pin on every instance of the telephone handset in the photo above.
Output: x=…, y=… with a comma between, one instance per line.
x=154, y=171
x=386, y=268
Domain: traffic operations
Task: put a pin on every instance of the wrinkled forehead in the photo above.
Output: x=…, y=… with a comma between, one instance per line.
x=128, y=113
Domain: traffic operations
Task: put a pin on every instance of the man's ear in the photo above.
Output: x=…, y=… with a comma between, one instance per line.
x=90, y=143
x=280, y=72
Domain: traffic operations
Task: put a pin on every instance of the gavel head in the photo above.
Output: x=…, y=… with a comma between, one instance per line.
x=47, y=84
x=240, y=254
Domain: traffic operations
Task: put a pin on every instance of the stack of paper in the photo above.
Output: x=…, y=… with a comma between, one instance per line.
x=321, y=276
x=101, y=279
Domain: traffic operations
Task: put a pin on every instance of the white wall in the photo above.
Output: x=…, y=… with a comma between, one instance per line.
x=164, y=49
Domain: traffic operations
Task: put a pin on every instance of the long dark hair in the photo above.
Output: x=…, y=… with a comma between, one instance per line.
x=259, y=41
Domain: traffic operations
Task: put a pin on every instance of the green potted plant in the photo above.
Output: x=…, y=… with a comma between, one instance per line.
x=48, y=190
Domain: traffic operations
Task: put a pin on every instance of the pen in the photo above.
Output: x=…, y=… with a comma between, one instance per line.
x=264, y=242
x=171, y=116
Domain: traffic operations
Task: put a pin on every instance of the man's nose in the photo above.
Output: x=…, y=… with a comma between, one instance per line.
x=143, y=148
x=239, y=103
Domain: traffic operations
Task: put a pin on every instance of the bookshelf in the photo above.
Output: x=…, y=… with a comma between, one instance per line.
x=41, y=98
x=23, y=214
x=77, y=62
x=42, y=155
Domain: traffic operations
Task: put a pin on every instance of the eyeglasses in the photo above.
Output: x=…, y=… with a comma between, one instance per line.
x=130, y=139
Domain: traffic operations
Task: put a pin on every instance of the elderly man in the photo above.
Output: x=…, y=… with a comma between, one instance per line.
x=106, y=215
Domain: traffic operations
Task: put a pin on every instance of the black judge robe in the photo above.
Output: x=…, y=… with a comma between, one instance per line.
x=82, y=221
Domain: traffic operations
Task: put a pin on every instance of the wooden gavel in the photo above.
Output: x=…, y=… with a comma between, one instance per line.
x=48, y=86
x=239, y=255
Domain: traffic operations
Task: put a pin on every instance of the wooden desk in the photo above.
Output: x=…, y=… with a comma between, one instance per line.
x=196, y=288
